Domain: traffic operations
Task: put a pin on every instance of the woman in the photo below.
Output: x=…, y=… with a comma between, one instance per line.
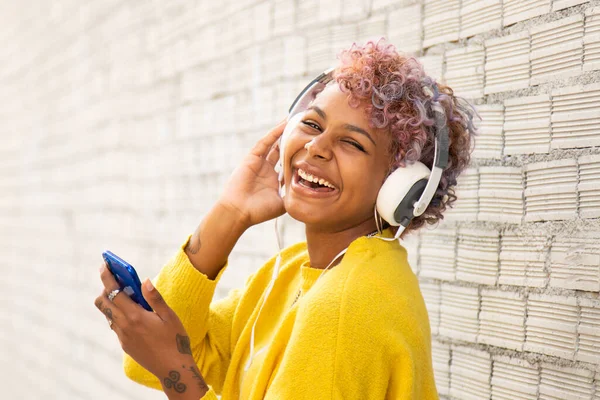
x=343, y=326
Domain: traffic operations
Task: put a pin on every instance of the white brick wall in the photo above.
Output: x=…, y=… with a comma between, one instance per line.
x=121, y=120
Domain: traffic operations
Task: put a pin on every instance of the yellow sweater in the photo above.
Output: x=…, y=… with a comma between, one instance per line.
x=361, y=333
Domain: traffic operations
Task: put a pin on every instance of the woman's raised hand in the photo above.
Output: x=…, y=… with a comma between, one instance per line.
x=253, y=189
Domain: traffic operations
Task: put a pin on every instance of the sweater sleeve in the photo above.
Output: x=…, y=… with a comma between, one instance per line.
x=189, y=293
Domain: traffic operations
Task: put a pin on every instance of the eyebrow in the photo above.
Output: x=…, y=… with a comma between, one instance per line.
x=349, y=127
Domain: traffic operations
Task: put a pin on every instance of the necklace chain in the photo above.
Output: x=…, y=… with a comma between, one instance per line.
x=370, y=235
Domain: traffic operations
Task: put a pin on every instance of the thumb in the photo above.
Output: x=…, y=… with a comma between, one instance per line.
x=155, y=299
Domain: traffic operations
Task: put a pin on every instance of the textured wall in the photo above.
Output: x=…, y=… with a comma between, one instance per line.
x=122, y=119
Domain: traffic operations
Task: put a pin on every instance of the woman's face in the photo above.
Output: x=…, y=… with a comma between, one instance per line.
x=333, y=184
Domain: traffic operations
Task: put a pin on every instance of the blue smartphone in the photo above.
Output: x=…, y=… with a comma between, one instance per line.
x=126, y=277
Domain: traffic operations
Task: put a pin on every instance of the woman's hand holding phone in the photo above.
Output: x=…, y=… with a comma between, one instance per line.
x=253, y=188
x=155, y=340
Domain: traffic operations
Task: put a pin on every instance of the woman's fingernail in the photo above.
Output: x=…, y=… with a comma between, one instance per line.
x=149, y=285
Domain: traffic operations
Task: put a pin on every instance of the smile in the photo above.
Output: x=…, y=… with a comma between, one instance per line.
x=309, y=185
x=308, y=179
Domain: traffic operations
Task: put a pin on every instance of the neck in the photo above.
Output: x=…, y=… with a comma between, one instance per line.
x=324, y=245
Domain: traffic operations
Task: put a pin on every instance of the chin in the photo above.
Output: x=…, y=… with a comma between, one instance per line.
x=305, y=213
x=322, y=219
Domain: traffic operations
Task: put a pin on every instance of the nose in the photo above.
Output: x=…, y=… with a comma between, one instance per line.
x=319, y=147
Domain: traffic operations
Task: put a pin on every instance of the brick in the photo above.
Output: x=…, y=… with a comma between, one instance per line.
x=489, y=141
x=342, y=36
x=551, y=325
x=188, y=118
x=527, y=125
x=263, y=103
x=372, y=29
x=261, y=16
x=202, y=46
x=551, y=190
x=470, y=373
x=557, y=49
x=283, y=16
x=566, y=383
x=440, y=21
x=464, y=71
x=458, y=312
x=500, y=194
x=502, y=319
x=193, y=83
x=591, y=40
x=434, y=66
x=477, y=256
x=575, y=120
x=440, y=354
x=285, y=93
x=294, y=56
x=513, y=378
x=330, y=10
x=587, y=186
x=522, y=258
x=355, y=10
x=242, y=73
x=411, y=243
x=238, y=31
x=466, y=205
x=519, y=10
x=404, y=28
x=588, y=344
x=562, y=4
x=378, y=5
x=319, y=52
x=271, y=59
x=507, y=63
x=305, y=12
x=576, y=261
x=431, y=295
x=437, y=254
x=478, y=16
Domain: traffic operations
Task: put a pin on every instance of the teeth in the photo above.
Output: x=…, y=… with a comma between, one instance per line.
x=308, y=177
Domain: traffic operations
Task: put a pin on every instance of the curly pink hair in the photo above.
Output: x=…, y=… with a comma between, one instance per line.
x=391, y=86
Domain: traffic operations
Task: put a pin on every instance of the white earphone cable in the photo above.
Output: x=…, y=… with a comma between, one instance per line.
x=271, y=284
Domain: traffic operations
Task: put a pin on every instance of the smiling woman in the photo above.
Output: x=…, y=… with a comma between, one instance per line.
x=340, y=316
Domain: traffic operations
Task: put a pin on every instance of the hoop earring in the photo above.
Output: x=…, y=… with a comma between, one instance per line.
x=378, y=220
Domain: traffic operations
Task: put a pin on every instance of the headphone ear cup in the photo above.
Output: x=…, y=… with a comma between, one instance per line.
x=400, y=191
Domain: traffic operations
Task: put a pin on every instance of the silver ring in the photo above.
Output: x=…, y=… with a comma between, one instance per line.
x=110, y=323
x=113, y=294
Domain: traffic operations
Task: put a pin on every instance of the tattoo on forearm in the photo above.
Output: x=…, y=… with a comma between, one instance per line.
x=172, y=381
x=196, y=375
x=183, y=344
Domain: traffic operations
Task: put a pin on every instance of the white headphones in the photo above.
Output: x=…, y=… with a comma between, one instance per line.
x=407, y=191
